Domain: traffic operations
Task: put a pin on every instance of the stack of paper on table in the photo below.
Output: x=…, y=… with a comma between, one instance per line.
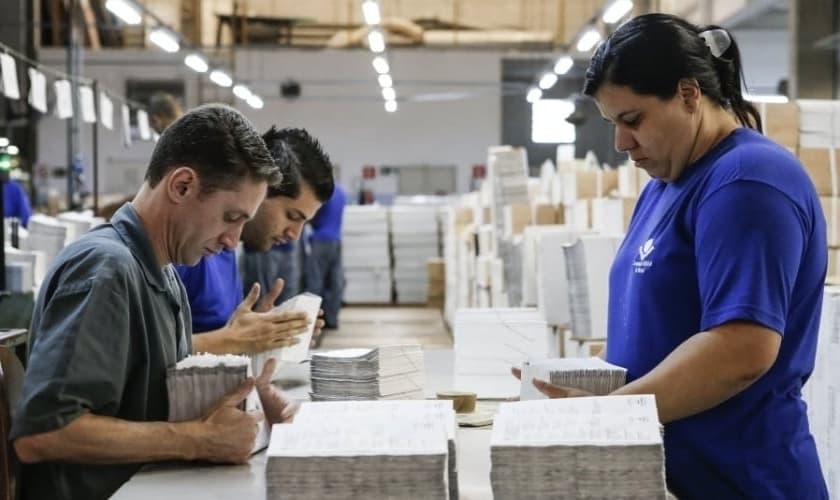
x=593, y=375
x=600, y=447
x=416, y=238
x=366, y=255
x=82, y=222
x=386, y=372
x=197, y=383
x=420, y=413
x=311, y=305
x=357, y=457
x=488, y=342
x=19, y=277
x=588, y=262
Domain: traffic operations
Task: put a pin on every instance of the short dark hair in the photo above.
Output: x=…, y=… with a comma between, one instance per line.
x=301, y=159
x=164, y=105
x=653, y=52
x=219, y=143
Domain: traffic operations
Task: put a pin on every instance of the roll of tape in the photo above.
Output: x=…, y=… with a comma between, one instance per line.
x=463, y=402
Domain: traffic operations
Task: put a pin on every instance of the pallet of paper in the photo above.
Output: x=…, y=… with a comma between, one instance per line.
x=197, y=383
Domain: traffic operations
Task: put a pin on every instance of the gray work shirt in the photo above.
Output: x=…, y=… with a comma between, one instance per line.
x=108, y=322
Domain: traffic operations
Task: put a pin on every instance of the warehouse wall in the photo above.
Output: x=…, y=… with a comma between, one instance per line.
x=765, y=56
x=341, y=105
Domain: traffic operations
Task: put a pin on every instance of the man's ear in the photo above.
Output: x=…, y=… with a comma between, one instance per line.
x=689, y=92
x=182, y=183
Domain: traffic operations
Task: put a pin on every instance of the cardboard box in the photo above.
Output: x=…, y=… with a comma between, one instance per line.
x=831, y=210
x=817, y=162
x=516, y=217
x=781, y=123
x=436, y=268
x=544, y=214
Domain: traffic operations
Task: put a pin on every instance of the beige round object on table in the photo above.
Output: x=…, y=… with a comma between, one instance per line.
x=462, y=402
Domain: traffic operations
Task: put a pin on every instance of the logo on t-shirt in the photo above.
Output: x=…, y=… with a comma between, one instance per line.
x=642, y=262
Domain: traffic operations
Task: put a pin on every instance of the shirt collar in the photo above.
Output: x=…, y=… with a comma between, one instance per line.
x=130, y=228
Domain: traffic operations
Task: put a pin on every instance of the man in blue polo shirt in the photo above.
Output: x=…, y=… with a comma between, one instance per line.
x=223, y=321
x=324, y=273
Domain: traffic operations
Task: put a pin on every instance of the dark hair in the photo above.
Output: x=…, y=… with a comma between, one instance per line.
x=653, y=52
x=219, y=143
x=165, y=106
x=301, y=159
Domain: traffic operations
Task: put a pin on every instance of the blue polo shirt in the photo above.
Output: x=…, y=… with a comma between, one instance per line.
x=16, y=203
x=326, y=225
x=214, y=289
x=740, y=236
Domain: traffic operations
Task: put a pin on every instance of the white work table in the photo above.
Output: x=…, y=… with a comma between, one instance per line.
x=210, y=482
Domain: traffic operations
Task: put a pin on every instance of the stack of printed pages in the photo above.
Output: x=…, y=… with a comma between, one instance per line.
x=598, y=447
x=386, y=372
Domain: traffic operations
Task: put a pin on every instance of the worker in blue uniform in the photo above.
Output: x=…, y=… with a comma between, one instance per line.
x=324, y=272
x=716, y=292
x=225, y=320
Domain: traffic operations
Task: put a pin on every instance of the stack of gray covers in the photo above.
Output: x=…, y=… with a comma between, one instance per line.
x=593, y=375
x=197, y=383
x=387, y=372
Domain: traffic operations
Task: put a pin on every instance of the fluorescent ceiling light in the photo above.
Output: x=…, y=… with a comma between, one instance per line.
x=386, y=81
x=768, y=98
x=534, y=94
x=376, y=41
x=588, y=39
x=255, y=101
x=563, y=65
x=164, y=39
x=616, y=11
x=390, y=106
x=389, y=94
x=548, y=80
x=196, y=63
x=242, y=92
x=220, y=78
x=12, y=150
x=124, y=10
x=370, y=9
x=380, y=64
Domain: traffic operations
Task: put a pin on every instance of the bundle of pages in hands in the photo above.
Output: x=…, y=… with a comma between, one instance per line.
x=371, y=450
x=386, y=372
x=599, y=447
x=311, y=305
x=593, y=375
x=197, y=383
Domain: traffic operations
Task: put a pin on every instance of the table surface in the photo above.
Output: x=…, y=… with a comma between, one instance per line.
x=210, y=482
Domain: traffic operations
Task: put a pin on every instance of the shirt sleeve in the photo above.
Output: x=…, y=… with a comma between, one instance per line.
x=79, y=360
x=749, y=242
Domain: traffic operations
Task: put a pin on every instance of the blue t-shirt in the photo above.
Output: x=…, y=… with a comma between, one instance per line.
x=214, y=289
x=326, y=225
x=16, y=203
x=740, y=236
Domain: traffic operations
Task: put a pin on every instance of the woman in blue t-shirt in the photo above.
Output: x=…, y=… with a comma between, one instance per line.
x=716, y=292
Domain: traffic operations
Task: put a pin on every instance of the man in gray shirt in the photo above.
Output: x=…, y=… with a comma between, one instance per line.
x=112, y=315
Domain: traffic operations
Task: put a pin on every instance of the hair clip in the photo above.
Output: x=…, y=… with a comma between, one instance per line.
x=718, y=41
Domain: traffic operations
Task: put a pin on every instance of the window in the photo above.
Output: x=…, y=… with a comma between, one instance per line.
x=548, y=121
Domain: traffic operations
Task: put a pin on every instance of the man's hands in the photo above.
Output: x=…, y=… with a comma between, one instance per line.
x=551, y=390
x=228, y=432
x=278, y=409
